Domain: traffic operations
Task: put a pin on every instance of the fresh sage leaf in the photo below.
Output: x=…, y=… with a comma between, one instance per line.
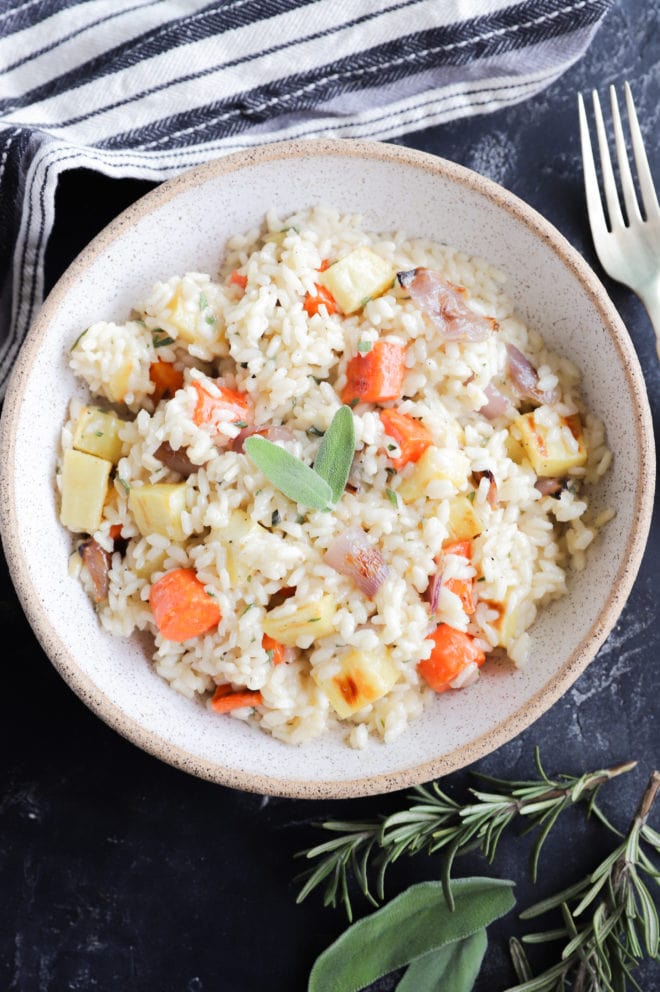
x=288, y=474
x=335, y=455
x=409, y=926
x=452, y=968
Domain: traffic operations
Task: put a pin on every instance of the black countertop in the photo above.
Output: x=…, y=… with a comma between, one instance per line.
x=120, y=872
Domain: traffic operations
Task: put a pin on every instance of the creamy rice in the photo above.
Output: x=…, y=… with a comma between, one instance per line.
x=259, y=340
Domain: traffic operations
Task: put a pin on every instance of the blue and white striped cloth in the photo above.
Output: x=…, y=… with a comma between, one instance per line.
x=147, y=88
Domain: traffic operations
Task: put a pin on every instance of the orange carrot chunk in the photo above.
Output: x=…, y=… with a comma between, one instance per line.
x=376, y=376
x=115, y=531
x=270, y=644
x=181, y=606
x=238, y=279
x=322, y=297
x=411, y=436
x=325, y=264
x=228, y=401
x=166, y=380
x=225, y=699
x=453, y=651
x=463, y=588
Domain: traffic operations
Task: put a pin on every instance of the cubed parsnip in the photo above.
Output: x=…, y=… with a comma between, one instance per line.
x=240, y=530
x=464, y=522
x=307, y=623
x=357, y=278
x=515, y=451
x=157, y=509
x=116, y=386
x=507, y=624
x=548, y=455
x=84, y=490
x=97, y=432
x=364, y=677
x=446, y=464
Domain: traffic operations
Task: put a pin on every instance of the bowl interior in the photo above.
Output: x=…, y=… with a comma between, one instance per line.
x=181, y=227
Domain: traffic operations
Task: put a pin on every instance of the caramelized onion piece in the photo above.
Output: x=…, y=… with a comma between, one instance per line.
x=97, y=562
x=175, y=459
x=492, y=488
x=352, y=554
x=444, y=304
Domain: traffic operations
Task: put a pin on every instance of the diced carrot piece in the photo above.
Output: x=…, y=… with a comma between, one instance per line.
x=166, y=379
x=463, y=548
x=115, y=531
x=463, y=588
x=270, y=644
x=376, y=376
x=208, y=405
x=323, y=297
x=225, y=699
x=411, y=436
x=454, y=650
x=238, y=279
x=325, y=264
x=181, y=606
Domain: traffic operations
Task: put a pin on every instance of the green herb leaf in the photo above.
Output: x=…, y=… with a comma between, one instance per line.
x=413, y=924
x=288, y=474
x=452, y=968
x=392, y=496
x=335, y=455
x=365, y=346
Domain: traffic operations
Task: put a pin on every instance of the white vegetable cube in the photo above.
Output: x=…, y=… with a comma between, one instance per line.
x=364, y=677
x=357, y=278
x=240, y=529
x=444, y=464
x=553, y=444
x=464, y=521
x=300, y=625
x=157, y=509
x=84, y=489
x=97, y=432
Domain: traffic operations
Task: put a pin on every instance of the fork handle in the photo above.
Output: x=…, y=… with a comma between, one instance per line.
x=650, y=297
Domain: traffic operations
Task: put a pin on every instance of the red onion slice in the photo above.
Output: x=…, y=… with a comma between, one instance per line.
x=353, y=555
x=548, y=486
x=497, y=403
x=444, y=305
x=526, y=379
x=274, y=432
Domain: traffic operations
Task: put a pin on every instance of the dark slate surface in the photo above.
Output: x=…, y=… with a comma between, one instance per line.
x=119, y=872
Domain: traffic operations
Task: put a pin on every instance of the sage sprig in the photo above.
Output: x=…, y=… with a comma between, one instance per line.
x=442, y=948
x=609, y=921
x=362, y=851
x=319, y=487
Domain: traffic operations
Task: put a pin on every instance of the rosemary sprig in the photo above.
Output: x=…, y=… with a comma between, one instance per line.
x=600, y=952
x=434, y=821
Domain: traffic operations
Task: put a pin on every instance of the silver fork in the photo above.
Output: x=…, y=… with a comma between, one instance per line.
x=628, y=247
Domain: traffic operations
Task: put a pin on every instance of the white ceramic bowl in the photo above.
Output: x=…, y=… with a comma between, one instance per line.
x=181, y=226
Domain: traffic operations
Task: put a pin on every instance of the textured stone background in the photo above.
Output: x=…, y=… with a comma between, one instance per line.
x=119, y=872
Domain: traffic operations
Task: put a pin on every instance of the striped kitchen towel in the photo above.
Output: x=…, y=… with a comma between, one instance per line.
x=147, y=88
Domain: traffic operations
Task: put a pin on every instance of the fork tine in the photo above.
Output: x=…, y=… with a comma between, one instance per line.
x=627, y=183
x=594, y=204
x=609, y=183
x=649, y=197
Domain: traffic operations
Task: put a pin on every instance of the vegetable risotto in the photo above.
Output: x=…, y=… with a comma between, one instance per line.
x=332, y=478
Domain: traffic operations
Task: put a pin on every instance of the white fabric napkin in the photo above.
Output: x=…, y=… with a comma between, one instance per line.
x=148, y=88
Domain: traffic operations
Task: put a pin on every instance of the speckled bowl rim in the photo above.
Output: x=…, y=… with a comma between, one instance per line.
x=532, y=708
